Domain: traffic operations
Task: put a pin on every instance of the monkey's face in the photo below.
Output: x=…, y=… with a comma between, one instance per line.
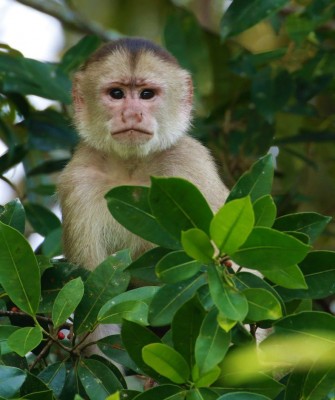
x=132, y=106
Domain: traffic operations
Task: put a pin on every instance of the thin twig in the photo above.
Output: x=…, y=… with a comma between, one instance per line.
x=41, y=318
x=41, y=354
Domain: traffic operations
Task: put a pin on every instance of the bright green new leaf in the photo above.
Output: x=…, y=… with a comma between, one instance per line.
x=257, y=182
x=166, y=361
x=262, y=305
x=289, y=277
x=265, y=211
x=232, y=225
x=270, y=249
x=225, y=323
x=197, y=245
x=19, y=271
x=177, y=266
x=202, y=393
x=11, y=379
x=178, y=205
x=230, y=302
x=212, y=343
x=67, y=301
x=24, y=340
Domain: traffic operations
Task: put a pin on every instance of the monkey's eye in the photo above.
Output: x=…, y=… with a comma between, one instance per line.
x=116, y=94
x=147, y=94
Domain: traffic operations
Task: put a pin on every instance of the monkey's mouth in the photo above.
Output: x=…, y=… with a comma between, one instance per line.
x=132, y=134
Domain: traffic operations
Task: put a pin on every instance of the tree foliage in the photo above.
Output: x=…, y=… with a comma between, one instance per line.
x=209, y=311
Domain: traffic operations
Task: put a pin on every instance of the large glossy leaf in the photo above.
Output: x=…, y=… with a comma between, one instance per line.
x=19, y=271
x=67, y=300
x=319, y=382
x=178, y=205
x=166, y=361
x=319, y=271
x=243, y=396
x=270, y=249
x=106, y=281
x=54, y=376
x=263, y=305
x=243, y=14
x=170, y=298
x=232, y=225
x=211, y=344
x=25, y=339
x=130, y=207
x=97, y=379
x=230, y=302
x=197, y=245
x=185, y=328
x=13, y=214
x=201, y=393
x=42, y=220
x=177, y=266
x=310, y=223
x=257, y=182
x=134, y=338
x=11, y=379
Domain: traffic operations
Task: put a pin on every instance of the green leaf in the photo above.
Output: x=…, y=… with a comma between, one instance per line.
x=177, y=266
x=13, y=214
x=232, y=225
x=97, y=379
x=25, y=339
x=201, y=394
x=170, y=392
x=265, y=211
x=170, y=298
x=197, y=245
x=54, y=377
x=11, y=379
x=12, y=157
x=106, y=281
x=5, y=332
x=48, y=167
x=262, y=305
x=319, y=382
x=129, y=205
x=231, y=303
x=257, y=182
x=77, y=54
x=52, y=245
x=211, y=344
x=178, y=205
x=298, y=28
x=185, y=328
x=270, y=249
x=289, y=277
x=166, y=361
x=134, y=338
x=42, y=220
x=310, y=223
x=243, y=14
x=67, y=301
x=19, y=271
x=207, y=378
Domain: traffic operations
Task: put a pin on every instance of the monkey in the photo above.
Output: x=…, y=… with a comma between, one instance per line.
x=132, y=108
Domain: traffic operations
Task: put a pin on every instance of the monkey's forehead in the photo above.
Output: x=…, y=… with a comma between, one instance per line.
x=146, y=66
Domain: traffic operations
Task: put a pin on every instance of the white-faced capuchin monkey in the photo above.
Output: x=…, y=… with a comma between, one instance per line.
x=132, y=108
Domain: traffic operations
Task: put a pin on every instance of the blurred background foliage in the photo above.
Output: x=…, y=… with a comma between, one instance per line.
x=264, y=79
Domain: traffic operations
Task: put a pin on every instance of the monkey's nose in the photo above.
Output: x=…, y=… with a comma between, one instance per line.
x=131, y=115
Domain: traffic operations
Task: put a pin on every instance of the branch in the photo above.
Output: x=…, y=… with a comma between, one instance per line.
x=70, y=18
x=41, y=318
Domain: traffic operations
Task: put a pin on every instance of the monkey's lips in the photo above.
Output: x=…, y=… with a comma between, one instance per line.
x=132, y=135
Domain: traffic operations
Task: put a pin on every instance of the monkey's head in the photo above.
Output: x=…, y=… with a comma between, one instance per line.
x=132, y=98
